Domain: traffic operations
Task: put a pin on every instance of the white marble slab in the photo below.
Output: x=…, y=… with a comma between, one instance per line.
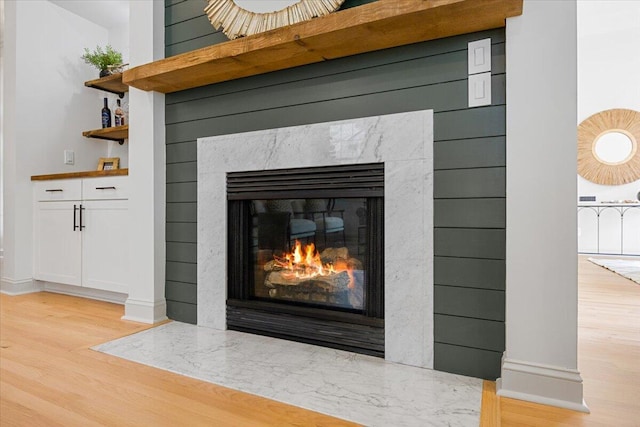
x=363, y=389
x=404, y=143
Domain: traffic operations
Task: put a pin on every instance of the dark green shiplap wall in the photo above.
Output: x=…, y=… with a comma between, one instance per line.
x=469, y=163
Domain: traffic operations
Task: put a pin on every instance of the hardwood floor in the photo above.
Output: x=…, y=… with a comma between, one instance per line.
x=50, y=377
x=608, y=360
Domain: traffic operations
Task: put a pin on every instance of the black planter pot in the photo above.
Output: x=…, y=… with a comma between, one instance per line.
x=104, y=73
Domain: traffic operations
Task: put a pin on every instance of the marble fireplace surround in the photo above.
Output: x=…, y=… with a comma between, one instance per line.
x=404, y=142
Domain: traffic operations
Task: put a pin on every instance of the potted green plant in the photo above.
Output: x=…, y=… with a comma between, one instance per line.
x=104, y=60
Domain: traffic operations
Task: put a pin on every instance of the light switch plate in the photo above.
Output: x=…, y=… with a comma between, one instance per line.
x=480, y=90
x=69, y=157
x=479, y=53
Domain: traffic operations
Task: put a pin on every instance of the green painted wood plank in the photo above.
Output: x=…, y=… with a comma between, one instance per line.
x=182, y=312
x=182, y=252
x=469, y=272
x=337, y=109
x=471, y=362
x=168, y=3
x=468, y=302
x=183, y=11
x=182, y=192
x=470, y=213
x=469, y=243
x=181, y=292
x=182, y=212
x=470, y=123
x=186, y=232
x=181, y=272
x=474, y=333
x=194, y=28
x=182, y=152
x=470, y=153
x=182, y=172
x=193, y=44
x=354, y=3
x=468, y=183
x=340, y=109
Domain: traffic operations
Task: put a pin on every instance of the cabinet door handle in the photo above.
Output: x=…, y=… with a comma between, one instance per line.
x=75, y=208
x=53, y=190
x=81, y=225
x=105, y=188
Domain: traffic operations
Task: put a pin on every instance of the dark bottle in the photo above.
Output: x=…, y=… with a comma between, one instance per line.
x=106, y=115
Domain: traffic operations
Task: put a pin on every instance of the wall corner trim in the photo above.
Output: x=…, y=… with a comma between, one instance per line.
x=145, y=311
x=544, y=384
x=20, y=287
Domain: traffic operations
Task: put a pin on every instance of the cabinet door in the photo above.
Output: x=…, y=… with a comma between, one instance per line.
x=57, y=247
x=105, y=245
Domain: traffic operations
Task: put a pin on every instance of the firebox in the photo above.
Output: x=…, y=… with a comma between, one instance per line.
x=306, y=255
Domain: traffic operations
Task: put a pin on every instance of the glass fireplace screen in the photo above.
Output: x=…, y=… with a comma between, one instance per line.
x=310, y=251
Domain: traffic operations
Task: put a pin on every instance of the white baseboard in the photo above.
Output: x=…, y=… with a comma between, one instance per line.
x=145, y=311
x=544, y=384
x=79, y=291
x=19, y=287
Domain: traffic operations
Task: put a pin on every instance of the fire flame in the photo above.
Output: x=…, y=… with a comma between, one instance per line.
x=307, y=264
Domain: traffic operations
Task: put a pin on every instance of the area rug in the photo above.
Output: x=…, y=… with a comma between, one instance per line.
x=626, y=268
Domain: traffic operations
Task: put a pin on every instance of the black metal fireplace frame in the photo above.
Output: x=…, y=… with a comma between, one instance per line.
x=361, y=332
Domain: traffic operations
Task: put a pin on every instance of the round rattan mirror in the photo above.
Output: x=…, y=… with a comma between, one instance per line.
x=240, y=18
x=608, y=151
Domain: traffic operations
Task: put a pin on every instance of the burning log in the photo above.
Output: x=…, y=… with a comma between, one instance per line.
x=332, y=283
x=338, y=257
x=306, y=275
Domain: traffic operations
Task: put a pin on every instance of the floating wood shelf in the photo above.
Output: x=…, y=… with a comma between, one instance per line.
x=118, y=133
x=112, y=83
x=373, y=26
x=87, y=174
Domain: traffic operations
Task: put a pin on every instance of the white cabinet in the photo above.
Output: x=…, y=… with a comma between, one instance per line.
x=80, y=233
x=609, y=228
x=58, y=245
x=105, y=250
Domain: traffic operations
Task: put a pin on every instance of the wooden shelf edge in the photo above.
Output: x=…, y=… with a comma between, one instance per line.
x=86, y=174
x=374, y=26
x=112, y=83
x=117, y=133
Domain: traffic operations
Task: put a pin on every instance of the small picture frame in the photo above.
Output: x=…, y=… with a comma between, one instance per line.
x=108, y=163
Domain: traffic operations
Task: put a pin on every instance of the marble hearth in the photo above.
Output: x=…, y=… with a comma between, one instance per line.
x=404, y=143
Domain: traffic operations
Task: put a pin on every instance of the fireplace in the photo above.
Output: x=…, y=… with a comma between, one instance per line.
x=306, y=255
x=396, y=322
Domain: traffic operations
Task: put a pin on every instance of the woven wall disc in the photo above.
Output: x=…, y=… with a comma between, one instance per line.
x=594, y=169
x=237, y=22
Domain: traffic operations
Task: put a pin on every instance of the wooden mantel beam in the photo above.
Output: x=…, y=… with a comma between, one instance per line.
x=379, y=25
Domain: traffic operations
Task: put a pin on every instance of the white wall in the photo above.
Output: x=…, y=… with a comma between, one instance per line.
x=540, y=361
x=608, y=72
x=46, y=108
x=608, y=77
x=1, y=126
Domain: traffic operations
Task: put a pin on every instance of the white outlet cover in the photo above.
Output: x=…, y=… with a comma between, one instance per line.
x=480, y=90
x=69, y=157
x=479, y=53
